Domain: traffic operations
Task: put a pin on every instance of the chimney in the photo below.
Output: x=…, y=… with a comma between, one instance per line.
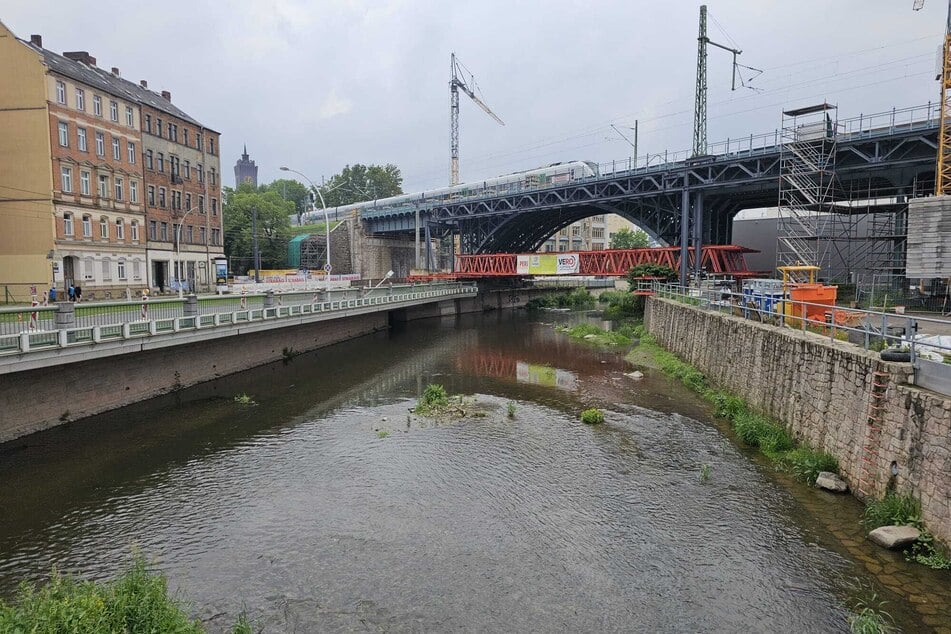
x=81, y=56
x=143, y=83
x=167, y=95
x=36, y=40
x=115, y=71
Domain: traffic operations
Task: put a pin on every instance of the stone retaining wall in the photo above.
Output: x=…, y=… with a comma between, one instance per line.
x=820, y=390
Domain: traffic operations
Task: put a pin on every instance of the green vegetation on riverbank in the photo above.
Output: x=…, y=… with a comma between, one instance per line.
x=578, y=298
x=753, y=428
x=904, y=510
x=137, y=601
x=590, y=333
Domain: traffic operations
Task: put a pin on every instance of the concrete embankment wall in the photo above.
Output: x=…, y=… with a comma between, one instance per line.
x=821, y=391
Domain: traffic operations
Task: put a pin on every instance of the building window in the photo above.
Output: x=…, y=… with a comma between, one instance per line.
x=116, y=151
x=148, y=123
x=103, y=186
x=120, y=229
x=202, y=235
x=66, y=178
x=87, y=226
x=135, y=269
x=118, y=185
x=114, y=111
x=173, y=132
x=129, y=116
x=84, y=182
x=216, y=237
x=152, y=230
x=120, y=269
x=151, y=195
x=134, y=230
x=158, y=127
x=201, y=204
x=100, y=144
x=161, y=161
x=68, y=224
x=64, y=134
x=148, y=159
x=170, y=131
x=133, y=191
x=188, y=201
x=104, y=228
x=80, y=99
x=106, y=269
x=81, y=137
x=161, y=196
x=211, y=145
x=198, y=140
x=190, y=234
x=188, y=170
x=131, y=148
x=61, y=92
x=164, y=231
x=185, y=136
x=97, y=105
x=214, y=206
x=201, y=173
x=214, y=176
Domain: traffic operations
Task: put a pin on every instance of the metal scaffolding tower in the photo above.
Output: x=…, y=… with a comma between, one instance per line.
x=807, y=223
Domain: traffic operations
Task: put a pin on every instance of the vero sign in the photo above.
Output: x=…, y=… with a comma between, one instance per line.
x=547, y=264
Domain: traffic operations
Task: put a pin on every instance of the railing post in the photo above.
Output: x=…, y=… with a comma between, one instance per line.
x=97, y=334
x=126, y=330
x=190, y=308
x=65, y=315
x=24, y=342
x=268, y=300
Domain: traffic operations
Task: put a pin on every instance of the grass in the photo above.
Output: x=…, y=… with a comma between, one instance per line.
x=382, y=434
x=806, y=463
x=869, y=619
x=510, y=408
x=576, y=299
x=704, y=473
x=601, y=337
x=317, y=227
x=244, y=399
x=892, y=510
x=592, y=416
x=137, y=601
x=433, y=398
x=621, y=305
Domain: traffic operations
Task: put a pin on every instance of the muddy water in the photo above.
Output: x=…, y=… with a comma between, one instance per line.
x=297, y=510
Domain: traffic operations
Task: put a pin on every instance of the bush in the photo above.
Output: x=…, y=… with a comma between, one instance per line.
x=649, y=269
x=601, y=337
x=578, y=298
x=726, y=405
x=892, y=509
x=137, y=601
x=592, y=417
x=621, y=305
x=434, y=394
x=806, y=463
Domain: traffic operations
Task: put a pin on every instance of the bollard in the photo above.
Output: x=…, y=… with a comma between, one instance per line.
x=65, y=315
x=269, y=299
x=190, y=308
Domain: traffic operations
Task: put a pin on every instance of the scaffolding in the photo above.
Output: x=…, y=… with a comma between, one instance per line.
x=809, y=230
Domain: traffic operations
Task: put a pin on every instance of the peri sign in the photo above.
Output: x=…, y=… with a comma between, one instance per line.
x=547, y=264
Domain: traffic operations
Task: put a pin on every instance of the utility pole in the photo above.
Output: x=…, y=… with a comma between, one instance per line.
x=700, y=101
x=256, y=255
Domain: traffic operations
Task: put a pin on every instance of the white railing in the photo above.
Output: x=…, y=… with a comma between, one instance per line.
x=116, y=325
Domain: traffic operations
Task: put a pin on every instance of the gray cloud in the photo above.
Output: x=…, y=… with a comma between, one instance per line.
x=316, y=85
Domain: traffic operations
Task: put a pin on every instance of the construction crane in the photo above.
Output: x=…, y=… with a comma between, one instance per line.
x=700, y=105
x=942, y=185
x=461, y=79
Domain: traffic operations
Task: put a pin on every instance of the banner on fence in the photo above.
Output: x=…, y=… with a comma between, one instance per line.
x=547, y=264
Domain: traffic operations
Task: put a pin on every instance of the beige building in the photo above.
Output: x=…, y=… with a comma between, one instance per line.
x=591, y=234
x=27, y=227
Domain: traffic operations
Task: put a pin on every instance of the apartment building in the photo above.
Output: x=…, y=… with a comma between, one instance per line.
x=589, y=234
x=104, y=184
x=181, y=160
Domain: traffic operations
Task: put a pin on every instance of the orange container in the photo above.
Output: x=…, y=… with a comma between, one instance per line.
x=813, y=294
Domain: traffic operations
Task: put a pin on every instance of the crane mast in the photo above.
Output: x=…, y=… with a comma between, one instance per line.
x=943, y=172
x=457, y=82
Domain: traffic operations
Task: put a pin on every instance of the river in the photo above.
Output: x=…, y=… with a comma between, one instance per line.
x=322, y=508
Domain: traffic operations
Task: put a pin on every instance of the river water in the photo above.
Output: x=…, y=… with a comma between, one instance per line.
x=299, y=512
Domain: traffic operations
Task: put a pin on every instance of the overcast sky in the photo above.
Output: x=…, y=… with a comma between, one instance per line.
x=318, y=84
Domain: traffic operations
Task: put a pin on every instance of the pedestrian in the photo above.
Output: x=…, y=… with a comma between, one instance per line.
x=71, y=293
x=53, y=293
x=79, y=294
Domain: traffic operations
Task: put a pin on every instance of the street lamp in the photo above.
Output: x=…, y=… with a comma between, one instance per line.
x=178, y=250
x=284, y=168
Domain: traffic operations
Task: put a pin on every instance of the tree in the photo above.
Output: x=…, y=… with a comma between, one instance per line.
x=627, y=239
x=274, y=228
x=292, y=190
x=356, y=183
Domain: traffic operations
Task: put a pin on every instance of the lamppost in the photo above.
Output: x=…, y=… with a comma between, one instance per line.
x=323, y=205
x=178, y=251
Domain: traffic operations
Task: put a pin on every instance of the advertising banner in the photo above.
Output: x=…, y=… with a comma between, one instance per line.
x=547, y=264
x=568, y=263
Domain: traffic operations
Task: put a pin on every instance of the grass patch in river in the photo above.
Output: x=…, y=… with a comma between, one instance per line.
x=590, y=333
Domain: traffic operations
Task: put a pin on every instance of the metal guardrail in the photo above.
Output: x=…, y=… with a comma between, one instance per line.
x=926, y=340
x=21, y=332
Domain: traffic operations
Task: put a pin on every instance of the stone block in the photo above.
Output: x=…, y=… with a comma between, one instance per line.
x=831, y=482
x=894, y=536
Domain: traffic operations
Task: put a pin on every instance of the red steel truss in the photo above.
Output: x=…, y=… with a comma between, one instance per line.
x=726, y=259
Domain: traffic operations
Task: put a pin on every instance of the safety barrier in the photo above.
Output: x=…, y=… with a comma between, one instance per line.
x=119, y=321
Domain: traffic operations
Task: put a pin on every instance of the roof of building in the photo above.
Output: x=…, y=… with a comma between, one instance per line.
x=92, y=75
